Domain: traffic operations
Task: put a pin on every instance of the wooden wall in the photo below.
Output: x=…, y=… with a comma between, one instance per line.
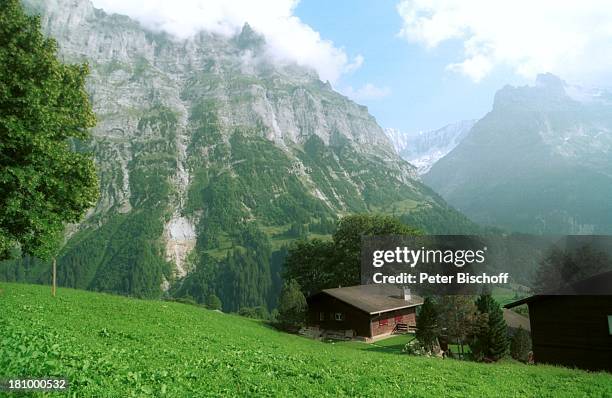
x=405, y=315
x=572, y=331
x=362, y=323
x=354, y=319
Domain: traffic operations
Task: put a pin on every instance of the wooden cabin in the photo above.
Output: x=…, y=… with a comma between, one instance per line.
x=573, y=330
x=366, y=311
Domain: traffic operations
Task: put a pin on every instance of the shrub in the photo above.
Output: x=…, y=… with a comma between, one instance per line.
x=258, y=312
x=520, y=345
x=213, y=302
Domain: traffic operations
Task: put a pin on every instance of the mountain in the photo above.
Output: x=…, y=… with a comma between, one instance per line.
x=540, y=161
x=398, y=138
x=426, y=148
x=212, y=157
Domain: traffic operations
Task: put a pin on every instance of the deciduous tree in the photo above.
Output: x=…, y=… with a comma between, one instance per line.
x=44, y=110
x=317, y=264
x=459, y=319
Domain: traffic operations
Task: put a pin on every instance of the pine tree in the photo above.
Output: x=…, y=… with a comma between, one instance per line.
x=427, y=325
x=491, y=341
x=291, y=306
x=520, y=345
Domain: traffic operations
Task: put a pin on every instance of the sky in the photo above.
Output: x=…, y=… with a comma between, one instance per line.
x=416, y=64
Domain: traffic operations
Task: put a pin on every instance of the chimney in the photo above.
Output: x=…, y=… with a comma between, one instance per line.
x=407, y=296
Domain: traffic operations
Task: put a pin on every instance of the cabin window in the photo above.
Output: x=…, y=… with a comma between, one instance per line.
x=321, y=316
x=383, y=322
x=339, y=316
x=610, y=325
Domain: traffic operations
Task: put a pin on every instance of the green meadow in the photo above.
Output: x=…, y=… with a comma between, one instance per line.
x=111, y=346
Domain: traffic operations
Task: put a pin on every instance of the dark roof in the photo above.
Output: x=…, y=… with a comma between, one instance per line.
x=373, y=299
x=523, y=301
x=600, y=284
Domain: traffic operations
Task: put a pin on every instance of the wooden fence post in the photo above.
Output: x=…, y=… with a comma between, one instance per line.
x=54, y=277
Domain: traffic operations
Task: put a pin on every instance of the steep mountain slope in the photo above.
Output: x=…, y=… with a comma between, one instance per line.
x=398, y=138
x=426, y=148
x=205, y=144
x=540, y=161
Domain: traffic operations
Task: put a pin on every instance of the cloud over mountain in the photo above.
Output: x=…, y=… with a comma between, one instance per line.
x=287, y=37
x=367, y=92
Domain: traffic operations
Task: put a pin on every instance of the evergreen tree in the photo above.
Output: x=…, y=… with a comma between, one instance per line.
x=291, y=306
x=213, y=302
x=520, y=345
x=491, y=341
x=297, y=230
x=564, y=267
x=427, y=325
x=44, y=107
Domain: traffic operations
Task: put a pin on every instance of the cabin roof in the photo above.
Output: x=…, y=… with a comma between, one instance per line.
x=373, y=299
x=600, y=284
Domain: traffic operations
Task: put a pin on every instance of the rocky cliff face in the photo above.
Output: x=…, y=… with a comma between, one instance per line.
x=196, y=138
x=399, y=139
x=424, y=149
x=540, y=161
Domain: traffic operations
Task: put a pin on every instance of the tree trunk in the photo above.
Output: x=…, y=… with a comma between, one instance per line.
x=54, y=287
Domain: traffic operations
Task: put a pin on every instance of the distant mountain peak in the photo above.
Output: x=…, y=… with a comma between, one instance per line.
x=551, y=83
x=549, y=92
x=424, y=149
x=539, y=162
x=549, y=80
x=249, y=39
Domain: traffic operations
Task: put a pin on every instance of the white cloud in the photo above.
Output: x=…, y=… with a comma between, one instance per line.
x=355, y=64
x=569, y=38
x=367, y=92
x=287, y=37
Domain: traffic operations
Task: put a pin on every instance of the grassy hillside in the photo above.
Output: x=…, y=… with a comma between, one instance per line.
x=115, y=346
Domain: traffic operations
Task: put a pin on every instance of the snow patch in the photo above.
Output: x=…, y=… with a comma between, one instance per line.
x=424, y=149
